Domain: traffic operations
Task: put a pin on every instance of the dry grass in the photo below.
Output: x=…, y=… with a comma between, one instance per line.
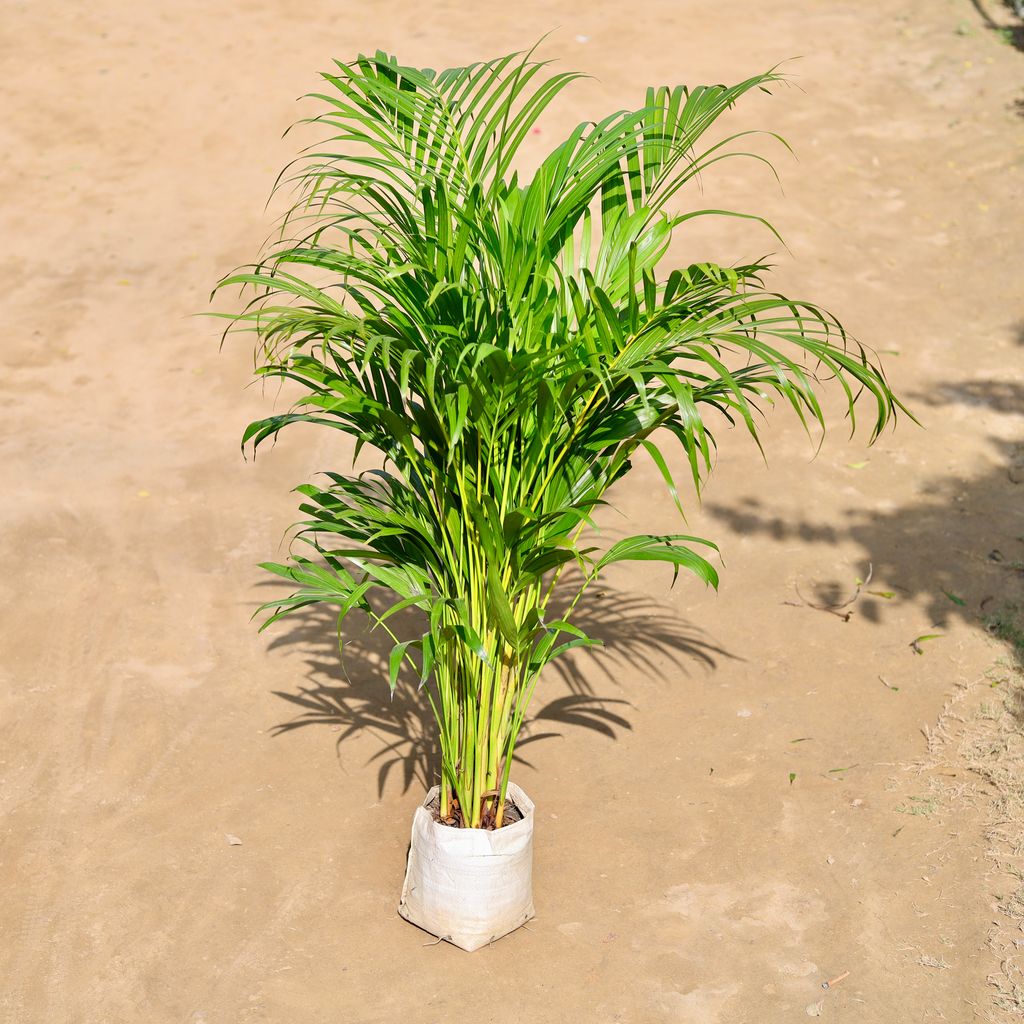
x=981, y=729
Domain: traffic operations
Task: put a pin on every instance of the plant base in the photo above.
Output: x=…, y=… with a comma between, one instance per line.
x=469, y=886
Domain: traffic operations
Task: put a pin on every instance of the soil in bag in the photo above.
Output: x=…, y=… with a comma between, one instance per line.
x=512, y=814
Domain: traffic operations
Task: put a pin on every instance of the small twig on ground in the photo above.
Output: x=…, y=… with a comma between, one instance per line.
x=835, y=981
x=833, y=609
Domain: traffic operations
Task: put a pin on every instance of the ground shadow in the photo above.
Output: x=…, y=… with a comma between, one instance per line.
x=1010, y=31
x=958, y=548
x=349, y=692
x=1006, y=396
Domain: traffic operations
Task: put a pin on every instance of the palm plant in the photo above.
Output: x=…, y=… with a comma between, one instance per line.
x=507, y=348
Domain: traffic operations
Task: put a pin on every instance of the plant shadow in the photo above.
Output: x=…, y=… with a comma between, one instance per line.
x=350, y=695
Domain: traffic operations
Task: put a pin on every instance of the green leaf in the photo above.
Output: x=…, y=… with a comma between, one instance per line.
x=915, y=644
x=395, y=662
x=502, y=610
x=664, y=548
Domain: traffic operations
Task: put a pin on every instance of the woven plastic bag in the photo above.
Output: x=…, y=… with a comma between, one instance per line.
x=469, y=885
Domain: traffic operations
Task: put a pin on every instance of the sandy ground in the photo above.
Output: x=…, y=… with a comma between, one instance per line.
x=694, y=862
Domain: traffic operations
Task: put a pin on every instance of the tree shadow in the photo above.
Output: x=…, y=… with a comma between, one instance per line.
x=1006, y=396
x=1012, y=31
x=958, y=547
x=350, y=693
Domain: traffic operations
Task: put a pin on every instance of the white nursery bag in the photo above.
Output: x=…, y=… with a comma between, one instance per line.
x=469, y=885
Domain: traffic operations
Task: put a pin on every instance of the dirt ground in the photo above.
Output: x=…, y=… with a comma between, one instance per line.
x=740, y=799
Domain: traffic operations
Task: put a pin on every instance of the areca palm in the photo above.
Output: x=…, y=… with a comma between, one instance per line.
x=507, y=346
